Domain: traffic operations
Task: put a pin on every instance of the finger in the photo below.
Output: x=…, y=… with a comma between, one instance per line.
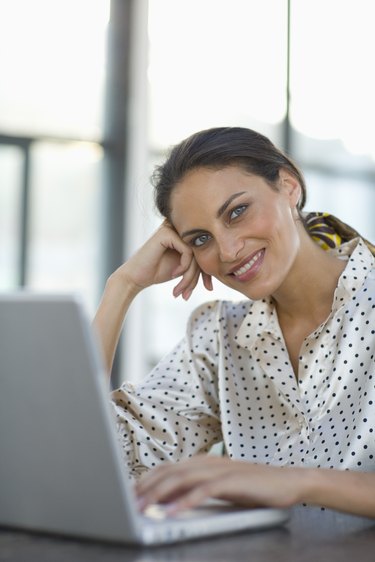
x=218, y=488
x=166, y=491
x=179, y=495
x=193, y=494
x=151, y=478
x=169, y=484
x=185, y=287
x=186, y=294
x=160, y=481
x=193, y=498
x=170, y=240
x=188, y=282
x=207, y=281
x=186, y=260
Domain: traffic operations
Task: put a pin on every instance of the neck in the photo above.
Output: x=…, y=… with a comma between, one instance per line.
x=308, y=292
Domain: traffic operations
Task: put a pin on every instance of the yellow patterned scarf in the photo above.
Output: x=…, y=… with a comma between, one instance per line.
x=329, y=232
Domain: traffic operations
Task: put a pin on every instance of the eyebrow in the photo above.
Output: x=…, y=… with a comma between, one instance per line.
x=225, y=205
x=220, y=211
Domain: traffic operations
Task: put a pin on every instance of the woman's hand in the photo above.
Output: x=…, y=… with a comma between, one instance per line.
x=189, y=483
x=162, y=258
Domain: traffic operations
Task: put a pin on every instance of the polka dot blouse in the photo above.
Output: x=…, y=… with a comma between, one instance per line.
x=231, y=380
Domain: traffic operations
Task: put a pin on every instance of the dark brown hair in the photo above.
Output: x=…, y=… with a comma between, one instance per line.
x=217, y=148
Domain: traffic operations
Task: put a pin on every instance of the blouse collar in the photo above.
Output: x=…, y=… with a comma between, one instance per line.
x=262, y=321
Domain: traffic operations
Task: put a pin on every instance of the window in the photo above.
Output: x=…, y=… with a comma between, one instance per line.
x=52, y=69
x=331, y=110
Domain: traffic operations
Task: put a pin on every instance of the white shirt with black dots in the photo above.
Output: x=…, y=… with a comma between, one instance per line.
x=231, y=380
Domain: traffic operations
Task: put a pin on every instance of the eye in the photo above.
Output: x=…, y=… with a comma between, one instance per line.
x=200, y=240
x=237, y=211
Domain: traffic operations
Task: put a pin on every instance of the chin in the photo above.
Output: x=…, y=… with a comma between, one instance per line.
x=256, y=289
x=256, y=293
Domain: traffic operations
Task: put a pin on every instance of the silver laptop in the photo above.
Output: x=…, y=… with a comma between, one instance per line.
x=60, y=464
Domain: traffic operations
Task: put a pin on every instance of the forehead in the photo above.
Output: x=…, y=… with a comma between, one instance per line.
x=212, y=186
x=207, y=183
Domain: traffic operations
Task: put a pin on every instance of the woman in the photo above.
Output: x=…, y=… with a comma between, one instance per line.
x=285, y=377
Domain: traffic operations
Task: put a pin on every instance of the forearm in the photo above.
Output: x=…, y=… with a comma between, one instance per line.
x=117, y=297
x=347, y=491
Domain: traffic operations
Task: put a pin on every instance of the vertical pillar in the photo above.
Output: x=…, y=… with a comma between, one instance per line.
x=24, y=217
x=287, y=128
x=115, y=140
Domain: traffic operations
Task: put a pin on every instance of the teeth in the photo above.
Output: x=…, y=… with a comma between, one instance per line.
x=248, y=265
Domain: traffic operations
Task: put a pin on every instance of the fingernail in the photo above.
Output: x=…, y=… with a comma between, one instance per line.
x=187, y=294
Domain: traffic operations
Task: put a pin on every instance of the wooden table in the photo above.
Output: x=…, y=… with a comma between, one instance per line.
x=311, y=535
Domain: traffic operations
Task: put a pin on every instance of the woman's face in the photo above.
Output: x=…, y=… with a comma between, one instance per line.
x=241, y=230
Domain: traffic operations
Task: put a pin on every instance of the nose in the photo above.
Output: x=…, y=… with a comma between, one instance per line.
x=229, y=247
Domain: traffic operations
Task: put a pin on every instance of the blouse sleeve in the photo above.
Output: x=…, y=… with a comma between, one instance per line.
x=174, y=412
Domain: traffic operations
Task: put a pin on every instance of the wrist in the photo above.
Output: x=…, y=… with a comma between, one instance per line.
x=315, y=485
x=121, y=283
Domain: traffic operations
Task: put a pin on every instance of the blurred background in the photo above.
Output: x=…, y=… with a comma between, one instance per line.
x=93, y=93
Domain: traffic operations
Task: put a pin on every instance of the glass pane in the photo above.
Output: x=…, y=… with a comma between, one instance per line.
x=215, y=63
x=52, y=58
x=11, y=161
x=65, y=219
x=332, y=85
x=350, y=199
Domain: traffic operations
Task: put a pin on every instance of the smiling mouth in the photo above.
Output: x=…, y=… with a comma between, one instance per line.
x=247, y=266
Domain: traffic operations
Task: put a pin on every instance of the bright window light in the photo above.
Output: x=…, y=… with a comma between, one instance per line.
x=213, y=63
x=332, y=83
x=52, y=63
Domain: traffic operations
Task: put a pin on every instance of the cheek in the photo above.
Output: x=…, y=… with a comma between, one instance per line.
x=288, y=241
x=280, y=225
x=206, y=261
x=266, y=226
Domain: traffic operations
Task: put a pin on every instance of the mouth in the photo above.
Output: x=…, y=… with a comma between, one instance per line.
x=249, y=264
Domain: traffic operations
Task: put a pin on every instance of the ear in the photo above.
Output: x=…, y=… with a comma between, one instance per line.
x=290, y=186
